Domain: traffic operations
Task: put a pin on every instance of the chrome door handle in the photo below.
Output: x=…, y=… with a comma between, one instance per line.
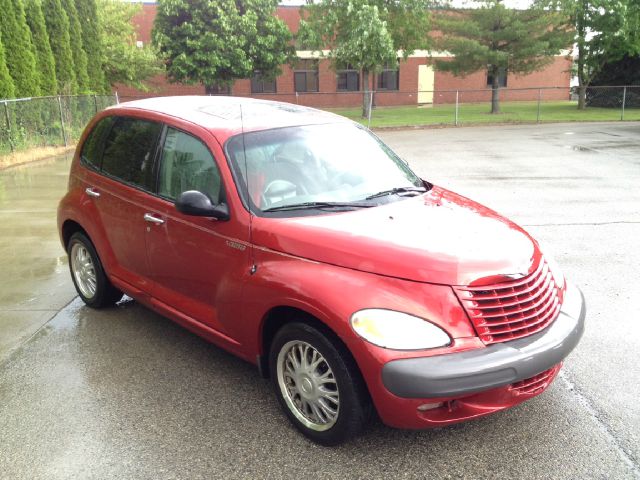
x=91, y=192
x=150, y=218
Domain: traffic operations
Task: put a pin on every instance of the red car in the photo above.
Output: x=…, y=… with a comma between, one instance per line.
x=297, y=240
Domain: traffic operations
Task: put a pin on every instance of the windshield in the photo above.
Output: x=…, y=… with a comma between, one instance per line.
x=317, y=166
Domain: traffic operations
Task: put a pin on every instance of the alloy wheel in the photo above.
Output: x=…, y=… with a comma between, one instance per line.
x=308, y=385
x=84, y=271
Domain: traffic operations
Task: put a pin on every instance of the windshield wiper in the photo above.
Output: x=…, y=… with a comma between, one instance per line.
x=312, y=205
x=397, y=190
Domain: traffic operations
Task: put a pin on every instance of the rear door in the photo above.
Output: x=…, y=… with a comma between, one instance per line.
x=120, y=192
x=197, y=263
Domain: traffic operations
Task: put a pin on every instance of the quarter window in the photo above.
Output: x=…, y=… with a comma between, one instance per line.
x=92, y=149
x=187, y=164
x=305, y=76
x=129, y=151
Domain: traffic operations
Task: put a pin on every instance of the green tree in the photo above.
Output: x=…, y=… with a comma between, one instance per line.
x=122, y=60
x=499, y=39
x=604, y=31
x=77, y=49
x=7, y=89
x=624, y=71
x=366, y=34
x=214, y=43
x=58, y=28
x=44, y=56
x=16, y=38
x=631, y=28
x=88, y=16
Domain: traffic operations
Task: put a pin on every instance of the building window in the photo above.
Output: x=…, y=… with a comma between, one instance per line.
x=502, y=78
x=260, y=84
x=219, y=90
x=305, y=76
x=389, y=78
x=348, y=79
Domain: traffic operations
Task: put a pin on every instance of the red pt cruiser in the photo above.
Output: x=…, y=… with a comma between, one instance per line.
x=300, y=242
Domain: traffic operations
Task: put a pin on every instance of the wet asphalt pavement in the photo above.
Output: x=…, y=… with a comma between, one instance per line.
x=125, y=393
x=34, y=280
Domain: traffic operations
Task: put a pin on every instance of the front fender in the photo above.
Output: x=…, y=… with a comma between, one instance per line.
x=332, y=294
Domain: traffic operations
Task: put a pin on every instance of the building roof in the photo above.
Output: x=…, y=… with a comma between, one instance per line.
x=233, y=115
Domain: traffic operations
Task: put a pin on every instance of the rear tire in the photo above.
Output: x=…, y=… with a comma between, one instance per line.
x=317, y=384
x=87, y=273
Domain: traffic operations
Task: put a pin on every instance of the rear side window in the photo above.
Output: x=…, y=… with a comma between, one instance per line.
x=187, y=164
x=129, y=151
x=92, y=148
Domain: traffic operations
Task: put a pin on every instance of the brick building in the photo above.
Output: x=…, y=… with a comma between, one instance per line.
x=313, y=82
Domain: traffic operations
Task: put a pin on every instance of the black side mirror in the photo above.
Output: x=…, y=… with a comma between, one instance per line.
x=193, y=202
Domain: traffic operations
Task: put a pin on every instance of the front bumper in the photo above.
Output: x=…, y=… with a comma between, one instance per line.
x=465, y=373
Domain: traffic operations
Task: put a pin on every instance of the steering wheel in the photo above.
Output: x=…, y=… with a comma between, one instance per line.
x=278, y=190
x=345, y=177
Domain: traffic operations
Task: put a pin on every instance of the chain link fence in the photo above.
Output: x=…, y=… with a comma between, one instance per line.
x=613, y=97
x=396, y=108
x=57, y=121
x=47, y=121
x=525, y=105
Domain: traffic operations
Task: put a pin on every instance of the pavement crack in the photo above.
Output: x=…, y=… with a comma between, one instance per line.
x=628, y=457
x=586, y=224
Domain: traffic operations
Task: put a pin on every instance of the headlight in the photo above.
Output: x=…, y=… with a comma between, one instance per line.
x=398, y=331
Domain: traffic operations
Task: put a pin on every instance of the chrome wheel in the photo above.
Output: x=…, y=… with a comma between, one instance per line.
x=308, y=385
x=84, y=271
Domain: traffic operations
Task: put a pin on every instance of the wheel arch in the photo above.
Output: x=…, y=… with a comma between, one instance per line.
x=281, y=315
x=69, y=227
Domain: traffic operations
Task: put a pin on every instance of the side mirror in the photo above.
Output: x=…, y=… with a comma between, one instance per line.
x=193, y=202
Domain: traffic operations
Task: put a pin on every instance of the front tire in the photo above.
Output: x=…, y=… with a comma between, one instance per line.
x=87, y=273
x=317, y=384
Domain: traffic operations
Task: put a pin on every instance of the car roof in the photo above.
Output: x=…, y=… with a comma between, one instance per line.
x=227, y=116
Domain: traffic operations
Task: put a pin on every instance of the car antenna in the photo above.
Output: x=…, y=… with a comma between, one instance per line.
x=253, y=267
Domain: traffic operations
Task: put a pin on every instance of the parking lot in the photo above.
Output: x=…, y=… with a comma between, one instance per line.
x=125, y=393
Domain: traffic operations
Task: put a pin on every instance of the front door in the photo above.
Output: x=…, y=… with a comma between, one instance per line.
x=426, y=78
x=197, y=263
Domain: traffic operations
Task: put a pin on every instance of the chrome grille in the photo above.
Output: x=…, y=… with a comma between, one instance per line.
x=513, y=309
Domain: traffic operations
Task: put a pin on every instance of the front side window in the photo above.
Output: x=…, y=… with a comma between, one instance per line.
x=129, y=151
x=389, y=78
x=348, y=79
x=91, y=153
x=260, y=84
x=187, y=164
x=316, y=163
x=305, y=76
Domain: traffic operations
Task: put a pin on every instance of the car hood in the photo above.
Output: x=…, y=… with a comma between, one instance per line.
x=439, y=237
